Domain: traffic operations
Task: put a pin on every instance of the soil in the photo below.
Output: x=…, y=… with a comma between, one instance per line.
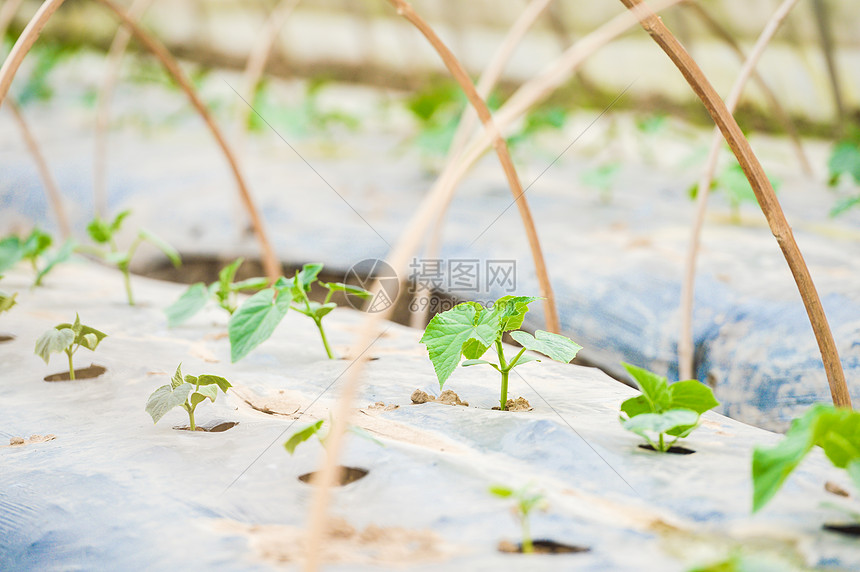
x=672, y=450
x=6, y=338
x=212, y=427
x=846, y=529
x=447, y=397
x=345, y=476
x=374, y=545
x=32, y=440
x=84, y=373
x=380, y=406
x=515, y=405
x=542, y=547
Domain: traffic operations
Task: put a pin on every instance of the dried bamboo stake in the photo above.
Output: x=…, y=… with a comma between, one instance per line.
x=48, y=181
x=763, y=191
x=114, y=64
x=425, y=214
x=270, y=263
x=822, y=22
x=685, y=341
x=778, y=110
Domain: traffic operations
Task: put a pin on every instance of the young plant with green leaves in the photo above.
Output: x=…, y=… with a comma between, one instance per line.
x=469, y=330
x=225, y=292
x=733, y=183
x=34, y=248
x=526, y=500
x=321, y=432
x=256, y=319
x=835, y=430
x=104, y=233
x=7, y=301
x=68, y=338
x=187, y=392
x=844, y=164
x=664, y=409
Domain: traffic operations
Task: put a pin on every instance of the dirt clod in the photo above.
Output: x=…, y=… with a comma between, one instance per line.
x=418, y=397
x=447, y=397
x=32, y=440
x=518, y=404
x=381, y=406
x=16, y=441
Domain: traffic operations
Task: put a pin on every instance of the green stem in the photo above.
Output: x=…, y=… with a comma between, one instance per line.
x=528, y=547
x=127, y=278
x=504, y=369
x=324, y=340
x=517, y=357
x=190, y=411
x=71, y=365
x=662, y=444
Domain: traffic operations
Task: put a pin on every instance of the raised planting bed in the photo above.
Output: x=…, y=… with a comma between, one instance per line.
x=89, y=482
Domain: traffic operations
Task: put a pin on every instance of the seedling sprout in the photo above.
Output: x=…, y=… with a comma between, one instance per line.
x=525, y=501
x=186, y=392
x=34, y=248
x=68, y=338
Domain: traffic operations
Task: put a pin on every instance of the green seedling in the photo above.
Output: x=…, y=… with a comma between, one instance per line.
x=256, y=320
x=7, y=301
x=224, y=292
x=469, y=330
x=602, y=178
x=733, y=183
x=321, y=432
x=68, y=338
x=540, y=119
x=664, y=409
x=525, y=501
x=104, y=232
x=187, y=392
x=844, y=163
x=302, y=120
x=34, y=248
x=836, y=430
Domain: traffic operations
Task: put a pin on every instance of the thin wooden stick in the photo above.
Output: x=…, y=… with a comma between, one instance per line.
x=685, y=341
x=105, y=98
x=822, y=23
x=48, y=181
x=425, y=214
x=763, y=191
x=772, y=101
x=271, y=265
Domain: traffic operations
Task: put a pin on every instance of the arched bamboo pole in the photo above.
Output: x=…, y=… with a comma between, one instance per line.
x=822, y=23
x=772, y=101
x=763, y=191
x=425, y=214
x=685, y=340
x=105, y=98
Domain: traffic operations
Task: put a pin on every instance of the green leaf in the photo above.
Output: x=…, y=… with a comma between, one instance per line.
x=256, y=319
x=100, y=230
x=206, y=391
x=511, y=311
x=526, y=359
x=177, y=378
x=85, y=336
x=192, y=301
x=501, y=491
x=7, y=301
x=251, y=284
x=320, y=310
x=348, y=288
x=59, y=257
x=36, y=244
x=10, y=252
x=845, y=158
x=192, y=379
x=117, y=221
x=54, y=341
x=166, y=398
x=654, y=387
x=844, y=204
x=448, y=332
x=364, y=435
x=854, y=473
x=661, y=422
x=228, y=273
x=553, y=346
x=469, y=362
x=691, y=394
x=208, y=379
x=637, y=406
x=308, y=274
x=159, y=243
x=301, y=436
x=601, y=177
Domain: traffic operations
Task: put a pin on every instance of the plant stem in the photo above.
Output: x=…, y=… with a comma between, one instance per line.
x=71, y=365
x=190, y=411
x=662, y=445
x=127, y=278
x=504, y=369
x=528, y=547
x=324, y=340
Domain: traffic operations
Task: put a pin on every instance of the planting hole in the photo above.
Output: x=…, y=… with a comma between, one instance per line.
x=6, y=338
x=218, y=427
x=672, y=450
x=846, y=529
x=542, y=547
x=345, y=475
x=83, y=373
x=515, y=405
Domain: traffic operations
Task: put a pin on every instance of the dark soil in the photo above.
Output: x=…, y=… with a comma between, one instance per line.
x=672, y=450
x=846, y=529
x=83, y=373
x=542, y=547
x=346, y=475
x=212, y=427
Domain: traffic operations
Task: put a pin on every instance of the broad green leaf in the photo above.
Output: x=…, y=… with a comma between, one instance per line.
x=301, y=436
x=256, y=319
x=838, y=433
x=54, y=341
x=468, y=362
x=661, y=422
x=177, y=378
x=228, y=273
x=100, y=230
x=501, y=491
x=448, y=332
x=192, y=379
x=207, y=391
x=348, y=288
x=166, y=398
x=36, y=244
x=163, y=246
x=192, y=301
x=844, y=204
x=89, y=341
x=7, y=301
x=691, y=394
x=526, y=359
x=251, y=284
x=10, y=252
x=210, y=380
x=654, y=387
x=308, y=274
x=845, y=158
x=59, y=257
x=636, y=406
x=84, y=335
x=554, y=346
x=196, y=398
x=474, y=349
x=511, y=311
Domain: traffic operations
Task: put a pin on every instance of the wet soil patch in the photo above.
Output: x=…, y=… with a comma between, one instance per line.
x=219, y=427
x=82, y=373
x=542, y=547
x=846, y=529
x=6, y=338
x=672, y=450
x=345, y=475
